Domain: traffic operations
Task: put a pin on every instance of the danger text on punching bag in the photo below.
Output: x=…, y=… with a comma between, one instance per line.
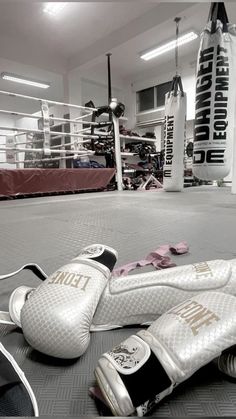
x=211, y=104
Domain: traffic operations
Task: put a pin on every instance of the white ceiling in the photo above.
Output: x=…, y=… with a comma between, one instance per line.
x=82, y=32
x=85, y=30
x=29, y=35
x=125, y=57
x=39, y=46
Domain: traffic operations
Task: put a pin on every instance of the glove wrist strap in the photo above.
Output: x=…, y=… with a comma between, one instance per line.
x=144, y=391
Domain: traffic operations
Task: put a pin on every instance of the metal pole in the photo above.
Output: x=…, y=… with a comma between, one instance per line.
x=109, y=77
x=177, y=20
x=109, y=83
x=117, y=153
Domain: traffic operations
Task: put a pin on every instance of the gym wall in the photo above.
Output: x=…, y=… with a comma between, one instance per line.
x=6, y=120
x=188, y=80
x=98, y=92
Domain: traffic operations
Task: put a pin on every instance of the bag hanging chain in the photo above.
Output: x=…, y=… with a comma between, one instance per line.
x=177, y=20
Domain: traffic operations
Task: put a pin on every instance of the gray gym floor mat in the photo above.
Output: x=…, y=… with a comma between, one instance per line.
x=51, y=230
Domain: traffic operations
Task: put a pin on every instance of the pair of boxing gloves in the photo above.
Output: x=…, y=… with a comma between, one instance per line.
x=199, y=323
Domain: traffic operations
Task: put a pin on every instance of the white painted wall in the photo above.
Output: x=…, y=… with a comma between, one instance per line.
x=130, y=105
x=98, y=92
x=55, y=92
x=28, y=123
x=6, y=120
x=90, y=83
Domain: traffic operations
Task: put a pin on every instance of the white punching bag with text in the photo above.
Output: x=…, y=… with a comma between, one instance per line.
x=215, y=98
x=174, y=138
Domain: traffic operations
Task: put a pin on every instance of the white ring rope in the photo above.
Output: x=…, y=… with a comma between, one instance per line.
x=53, y=102
x=39, y=131
x=69, y=144
x=52, y=118
x=52, y=146
x=79, y=132
x=42, y=150
x=44, y=160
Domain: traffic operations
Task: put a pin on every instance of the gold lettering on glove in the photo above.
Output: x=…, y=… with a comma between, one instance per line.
x=202, y=269
x=70, y=278
x=195, y=314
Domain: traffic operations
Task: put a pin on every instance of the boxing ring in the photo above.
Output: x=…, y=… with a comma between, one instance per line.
x=55, y=141
x=49, y=181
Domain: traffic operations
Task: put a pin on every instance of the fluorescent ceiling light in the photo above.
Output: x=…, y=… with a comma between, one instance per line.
x=23, y=80
x=184, y=39
x=53, y=8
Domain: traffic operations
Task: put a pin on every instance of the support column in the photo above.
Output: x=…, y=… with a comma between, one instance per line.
x=117, y=153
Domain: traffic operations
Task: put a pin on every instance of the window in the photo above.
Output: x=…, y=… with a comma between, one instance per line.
x=153, y=97
x=161, y=91
x=145, y=99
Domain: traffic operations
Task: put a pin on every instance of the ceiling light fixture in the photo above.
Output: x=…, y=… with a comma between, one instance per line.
x=155, y=52
x=53, y=8
x=23, y=80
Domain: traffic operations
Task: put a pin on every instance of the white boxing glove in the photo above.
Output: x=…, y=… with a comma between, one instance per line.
x=19, y=295
x=138, y=373
x=57, y=316
x=141, y=298
x=227, y=362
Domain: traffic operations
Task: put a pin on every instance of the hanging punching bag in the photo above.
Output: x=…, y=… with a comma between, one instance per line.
x=174, y=137
x=174, y=129
x=215, y=97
